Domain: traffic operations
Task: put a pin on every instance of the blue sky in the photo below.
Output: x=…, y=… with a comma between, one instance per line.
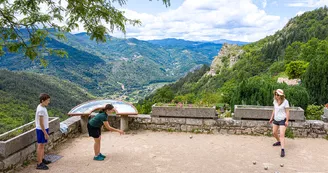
x=242, y=20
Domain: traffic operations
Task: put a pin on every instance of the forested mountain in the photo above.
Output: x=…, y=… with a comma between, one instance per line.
x=299, y=50
x=104, y=68
x=19, y=97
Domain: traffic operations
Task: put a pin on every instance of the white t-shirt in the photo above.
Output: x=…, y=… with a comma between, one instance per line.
x=41, y=111
x=280, y=110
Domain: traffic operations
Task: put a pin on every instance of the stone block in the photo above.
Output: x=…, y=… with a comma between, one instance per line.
x=224, y=131
x=191, y=121
x=57, y=135
x=176, y=120
x=316, y=124
x=184, y=128
x=28, y=151
x=184, y=112
x=313, y=135
x=209, y=122
x=231, y=132
x=157, y=120
x=325, y=126
x=248, y=131
x=12, y=160
x=2, y=165
x=264, y=112
x=297, y=124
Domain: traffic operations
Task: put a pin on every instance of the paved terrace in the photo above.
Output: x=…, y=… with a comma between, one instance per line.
x=155, y=152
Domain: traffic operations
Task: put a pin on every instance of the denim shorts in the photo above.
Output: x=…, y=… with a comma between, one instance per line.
x=279, y=123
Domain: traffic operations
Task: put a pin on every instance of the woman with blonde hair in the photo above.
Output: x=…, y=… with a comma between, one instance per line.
x=280, y=118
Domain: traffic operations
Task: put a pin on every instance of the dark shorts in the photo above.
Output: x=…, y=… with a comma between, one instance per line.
x=279, y=123
x=40, y=136
x=94, y=131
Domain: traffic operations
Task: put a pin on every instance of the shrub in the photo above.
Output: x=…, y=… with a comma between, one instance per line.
x=314, y=112
x=296, y=68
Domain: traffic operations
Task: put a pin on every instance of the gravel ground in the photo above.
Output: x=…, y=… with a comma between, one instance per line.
x=155, y=152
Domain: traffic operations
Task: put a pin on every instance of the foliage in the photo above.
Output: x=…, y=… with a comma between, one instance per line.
x=316, y=79
x=37, y=17
x=19, y=94
x=296, y=68
x=103, y=68
x=289, y=133
x=254, y=91
x=297, y=96
x=314, y=112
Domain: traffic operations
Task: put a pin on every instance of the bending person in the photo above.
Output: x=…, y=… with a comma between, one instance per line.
x=94, y=129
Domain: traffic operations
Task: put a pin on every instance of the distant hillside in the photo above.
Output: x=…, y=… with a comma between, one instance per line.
x=256, y=67
x=105, y=67
x=19, y=97
x=223, y=41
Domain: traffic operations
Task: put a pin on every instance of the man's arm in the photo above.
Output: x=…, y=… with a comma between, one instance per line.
x=46, y=136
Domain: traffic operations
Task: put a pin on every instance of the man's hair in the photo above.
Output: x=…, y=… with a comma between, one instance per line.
x=108, y=107
x=43, y=97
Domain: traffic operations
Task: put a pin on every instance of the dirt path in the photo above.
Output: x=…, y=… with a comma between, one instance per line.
x=155, y=152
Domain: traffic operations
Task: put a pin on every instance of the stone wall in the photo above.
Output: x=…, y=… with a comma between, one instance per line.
x=23, y=155
x=306, y=129
x=309, y=128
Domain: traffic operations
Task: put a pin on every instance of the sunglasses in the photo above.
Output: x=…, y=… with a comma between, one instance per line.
x=276, y=94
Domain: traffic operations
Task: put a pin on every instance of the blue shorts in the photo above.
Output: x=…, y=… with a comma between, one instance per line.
x=40, y=136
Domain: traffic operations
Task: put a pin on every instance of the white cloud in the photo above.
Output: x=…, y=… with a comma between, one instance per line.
x=308, y=3
x=206, y=20
x=264, y=3
x=300, y=13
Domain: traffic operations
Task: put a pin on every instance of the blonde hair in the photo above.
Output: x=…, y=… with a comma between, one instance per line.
x=282, y=97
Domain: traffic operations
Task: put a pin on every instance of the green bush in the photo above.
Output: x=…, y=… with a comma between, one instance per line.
x=296, y=68
x=314, y=112
x=297, y=96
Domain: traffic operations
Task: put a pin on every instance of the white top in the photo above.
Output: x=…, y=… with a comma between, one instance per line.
x=41, y=111
x=280, y=110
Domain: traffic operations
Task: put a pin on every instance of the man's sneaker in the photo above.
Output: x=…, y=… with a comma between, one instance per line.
x=282, y=154
x=277, y=144
x=101, y=155
x=46, y=161
x=98, y=158
x=42, y=166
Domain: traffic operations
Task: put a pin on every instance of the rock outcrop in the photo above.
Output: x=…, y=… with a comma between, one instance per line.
x=227, y=57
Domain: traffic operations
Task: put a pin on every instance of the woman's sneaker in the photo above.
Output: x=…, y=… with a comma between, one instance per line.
x=46, y=161
x=101, y=155
x=42, y=166
x=282, y=154
x=277, y=144
x=98, y=158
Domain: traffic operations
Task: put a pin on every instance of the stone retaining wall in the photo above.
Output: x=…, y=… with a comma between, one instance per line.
x=23, y=154
x=309, y=128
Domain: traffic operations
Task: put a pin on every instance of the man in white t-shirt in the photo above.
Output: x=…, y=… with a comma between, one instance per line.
x=42, y=130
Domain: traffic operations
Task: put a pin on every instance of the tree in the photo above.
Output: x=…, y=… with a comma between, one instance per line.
x=315, y=80
x=25, y=28
x=296, y=68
